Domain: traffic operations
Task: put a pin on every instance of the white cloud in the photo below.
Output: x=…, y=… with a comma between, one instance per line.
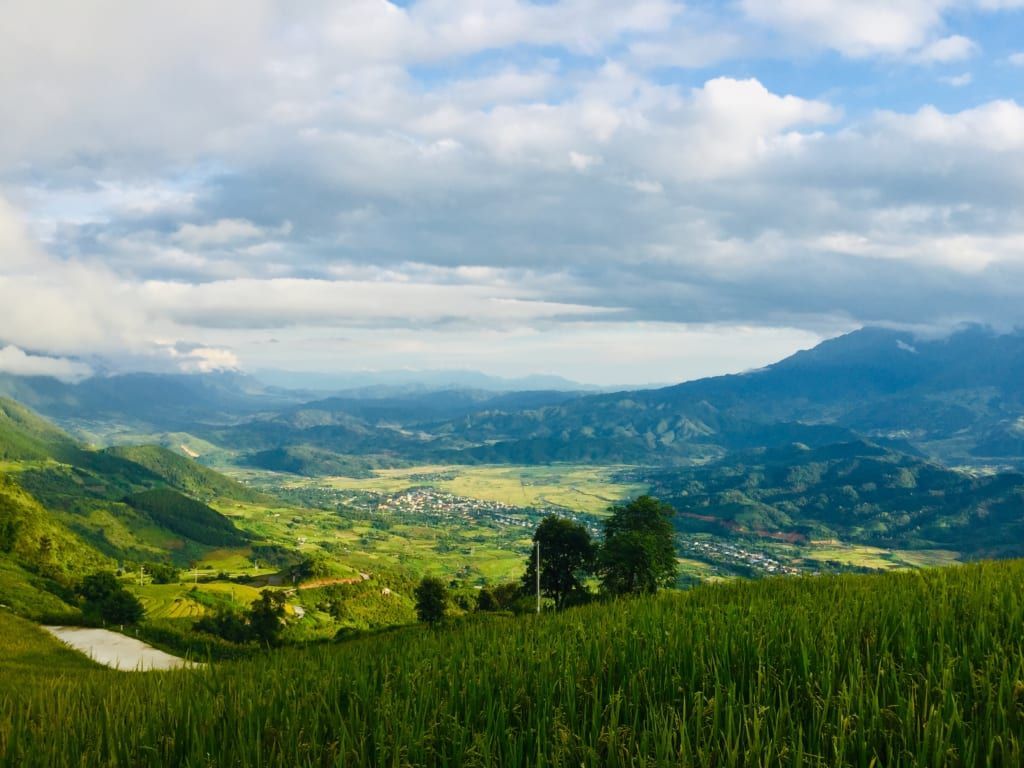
x=485, y=170
x=17, y=362
x=1017, y=59
x=856, y=28
x=958, y=81
x=997, y=126
x=225, y=232
x=289, y=301
x=582, y=162
x=199, y=359
x=946, y=50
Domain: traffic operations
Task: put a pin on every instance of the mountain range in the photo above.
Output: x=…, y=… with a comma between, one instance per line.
x=958, y=400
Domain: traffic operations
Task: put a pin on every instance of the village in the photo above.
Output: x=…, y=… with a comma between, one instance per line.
x=733, y=556
x=449, y=507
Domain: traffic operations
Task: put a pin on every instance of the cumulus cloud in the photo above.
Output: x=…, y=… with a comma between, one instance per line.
x=497, y=175
x=958, y=81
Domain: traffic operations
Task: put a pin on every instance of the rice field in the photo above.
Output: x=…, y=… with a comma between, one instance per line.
x=916, y=668
x=173, y=601
x=578, y=488
x=878, y=559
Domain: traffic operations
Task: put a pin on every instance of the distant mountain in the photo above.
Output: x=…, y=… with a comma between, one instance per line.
x=960, y=399
x=147, y=401
x=409, y=382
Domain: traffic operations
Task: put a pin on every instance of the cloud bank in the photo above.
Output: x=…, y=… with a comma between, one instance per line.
x=579, y=187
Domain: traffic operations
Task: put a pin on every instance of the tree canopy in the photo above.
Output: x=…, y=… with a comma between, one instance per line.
x=104, y=596
x=566, y=558
x=639, y=553
x=431, y=599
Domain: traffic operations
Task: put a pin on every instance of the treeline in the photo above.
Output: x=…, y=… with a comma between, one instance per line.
x=636, y=556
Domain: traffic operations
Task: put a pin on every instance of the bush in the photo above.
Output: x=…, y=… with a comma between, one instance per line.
x=226, y=624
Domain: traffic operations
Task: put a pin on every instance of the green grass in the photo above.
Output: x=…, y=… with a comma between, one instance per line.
x=23, y=593
x=922, y=668
x=31, y=660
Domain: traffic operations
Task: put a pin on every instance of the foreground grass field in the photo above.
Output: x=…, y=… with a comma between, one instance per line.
x=906, y=669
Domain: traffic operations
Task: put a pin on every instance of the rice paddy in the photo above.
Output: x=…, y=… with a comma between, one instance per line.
x=917, y=668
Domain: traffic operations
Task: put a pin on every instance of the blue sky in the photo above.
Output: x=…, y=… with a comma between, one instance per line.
x=616, y=192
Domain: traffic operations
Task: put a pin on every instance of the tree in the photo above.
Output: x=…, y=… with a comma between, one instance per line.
x=97, y=586
x=311, y=567
x=8, y=535
x=566, y=557
x=163, y=573
x=121, y=607
x=639, y=553
x=227, y=624
x=485, y=600
x=105, y=597
x=266, y=615
x=431, y=597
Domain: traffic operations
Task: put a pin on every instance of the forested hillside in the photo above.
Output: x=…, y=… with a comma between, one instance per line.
x=857, y=492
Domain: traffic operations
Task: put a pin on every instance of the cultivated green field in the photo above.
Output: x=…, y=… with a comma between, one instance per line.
x=922, y=668
x=579, y=488
x=478, y=549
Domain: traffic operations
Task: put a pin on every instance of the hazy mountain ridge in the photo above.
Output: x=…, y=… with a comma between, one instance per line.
x=959, y=399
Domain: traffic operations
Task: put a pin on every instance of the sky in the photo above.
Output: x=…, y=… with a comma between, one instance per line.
x=616, y=192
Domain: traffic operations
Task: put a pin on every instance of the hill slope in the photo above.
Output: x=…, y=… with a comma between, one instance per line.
x=73, y=497
x=184, y=474
x=857, y=491
x=907, y=669
x=959, y=399
x=25, y=435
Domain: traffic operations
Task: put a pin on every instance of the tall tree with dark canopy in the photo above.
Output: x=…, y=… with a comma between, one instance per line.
x=105, y=597
x=639, y=554
x=266, y=616
x=566, y=557
x=431, y=599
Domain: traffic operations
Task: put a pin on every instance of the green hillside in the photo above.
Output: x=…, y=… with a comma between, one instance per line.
x=31, y=536
x=911, y=669
x=67, y=511
x=184, y=474
x=856, y=491
x=187, y=517
x=25, y=435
